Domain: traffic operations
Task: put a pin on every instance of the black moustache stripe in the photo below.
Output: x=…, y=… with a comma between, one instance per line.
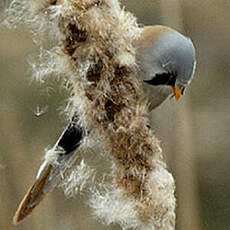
x=162, y=79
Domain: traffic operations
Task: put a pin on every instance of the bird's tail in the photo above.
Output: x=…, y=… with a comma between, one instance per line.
x=42, y=185
x=49, y=175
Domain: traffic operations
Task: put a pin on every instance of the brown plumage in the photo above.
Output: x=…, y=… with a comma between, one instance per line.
x=34, y=196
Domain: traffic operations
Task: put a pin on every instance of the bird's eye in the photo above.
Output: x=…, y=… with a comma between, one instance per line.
x=162, y=79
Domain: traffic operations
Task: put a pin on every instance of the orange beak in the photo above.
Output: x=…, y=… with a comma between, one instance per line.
x=177, y=92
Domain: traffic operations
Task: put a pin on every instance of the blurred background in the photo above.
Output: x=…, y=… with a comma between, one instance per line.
x=194, y=132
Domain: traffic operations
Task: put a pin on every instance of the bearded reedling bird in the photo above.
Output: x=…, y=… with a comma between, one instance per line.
x=166, y=63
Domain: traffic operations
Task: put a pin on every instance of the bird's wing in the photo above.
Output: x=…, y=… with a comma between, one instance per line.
x=49, y=174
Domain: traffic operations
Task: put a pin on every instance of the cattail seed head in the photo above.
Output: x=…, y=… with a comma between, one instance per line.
x=94, y=51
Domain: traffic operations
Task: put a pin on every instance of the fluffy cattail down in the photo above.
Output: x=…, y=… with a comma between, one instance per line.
x=94, y=51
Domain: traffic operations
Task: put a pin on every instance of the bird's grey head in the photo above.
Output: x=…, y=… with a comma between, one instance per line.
x=173, y=60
